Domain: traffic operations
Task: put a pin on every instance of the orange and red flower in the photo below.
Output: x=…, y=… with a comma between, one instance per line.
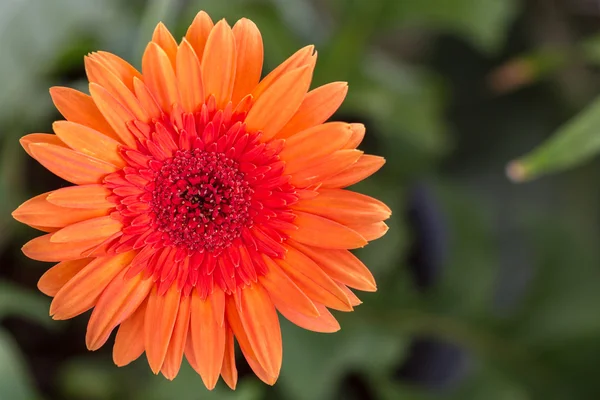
x=204, y=201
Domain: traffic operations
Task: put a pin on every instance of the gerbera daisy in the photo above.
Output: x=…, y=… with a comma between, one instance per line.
x=204, y=200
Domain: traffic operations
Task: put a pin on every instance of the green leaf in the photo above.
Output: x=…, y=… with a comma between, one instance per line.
x=573, y=144
x=15, y=382
x=314, y=363
x=15, y=301
x=483, y=22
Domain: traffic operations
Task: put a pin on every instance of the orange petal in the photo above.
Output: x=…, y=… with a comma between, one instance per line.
x=146, y=99
x=82, y=291
x=318, y=105
x=259, y=319
x=274, y=108
x=284, y=290
x=303, y=57
x=117, y=302
x=48, y=138
x=354, y=300
x=129, y=342
x=325, y=167
x=80, y=108
x=358, y=134
x=161, y=315
x=309, y=277
x=89, y=141
x=249, y=49
x=98, y=73
x=115, y=113
x=235, y=323
x=198, y=32
x=42, y=249
x=189, y=78
x=324, y=323
x=172, y=362
x=341, y=265
x=84, y=197
x=366, y=166
x=121, y=68
x=345, y=207
x=165, y=40
x=56, y=277
x=302, y=149
x=325, y=233
x=229, y=370
x=70, y=165
x=370, y=231
x=217, y=302
x=91, y=229
x=159, y=76
x=38, y=211
x=218, y=64
x=208, y=341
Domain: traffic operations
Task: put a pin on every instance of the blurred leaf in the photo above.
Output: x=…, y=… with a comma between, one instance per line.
x=574, y=143
x=18, y=302
x=483, y=22
x=90, y=379
x=15, y=384
x=490, y=384
x=188, y=386
x=314, y=363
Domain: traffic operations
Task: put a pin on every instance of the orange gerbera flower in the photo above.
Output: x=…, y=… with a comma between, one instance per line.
x=204, y=200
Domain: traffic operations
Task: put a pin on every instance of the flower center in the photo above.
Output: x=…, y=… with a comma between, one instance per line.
x=200, y=200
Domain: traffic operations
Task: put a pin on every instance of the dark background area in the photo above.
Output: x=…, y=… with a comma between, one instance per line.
x=487, y=289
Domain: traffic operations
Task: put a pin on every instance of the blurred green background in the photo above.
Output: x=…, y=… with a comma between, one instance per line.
x=487, y=289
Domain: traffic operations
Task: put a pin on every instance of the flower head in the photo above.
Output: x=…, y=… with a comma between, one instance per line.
x=204, y=201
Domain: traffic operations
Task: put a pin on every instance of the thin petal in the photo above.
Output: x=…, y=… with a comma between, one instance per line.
x=303, y=149
x=260, y=322
x=198, y=32
x=313, y=281
x=39, y=211
x=48, y=138
x=56, y=277
x=103, y=76
x=129, y=343
x=249, y=49
x=229, y=370
x=358, y=134
x=366, y=166
x=345, y=207
x=317, y=107
x=165, y=40
x=159, y=76
x=218, y=64
x=282, y=289
x=121, y=68
x=322, y=232
x=84, y=197
x=304, y=57
x=91, y=229
x=42, y=249
x=161, y=315
x=80, y=108
x=208, y=341
x=146, y=99
x=341, y=265
x=117, y=302
x=189, y=78
x=115, y=113
x=172, y=362
x=370, y=231
x=70, y=165
x=89, y=141
x=82, y=291
x=325, y=167
x=237, y=328
x=324, y=323
x=274, y=108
